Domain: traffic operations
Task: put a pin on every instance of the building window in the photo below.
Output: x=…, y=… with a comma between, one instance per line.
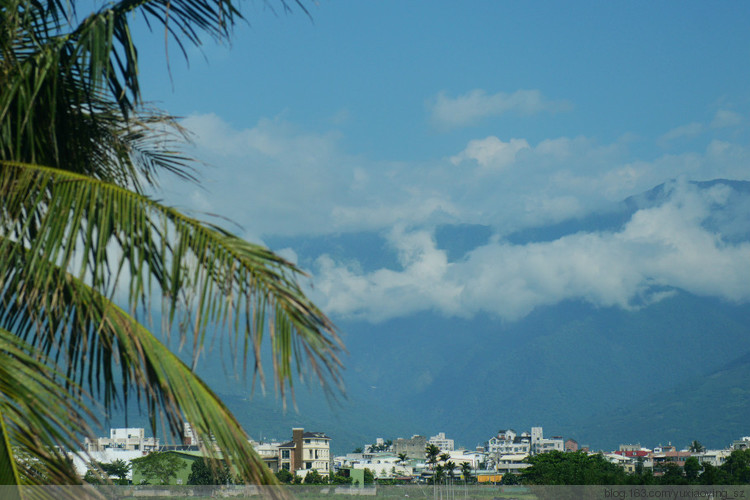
x=284, y=453
x=285, y=466
x=308, y=465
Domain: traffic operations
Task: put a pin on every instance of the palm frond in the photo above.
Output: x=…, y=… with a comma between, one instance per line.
x=108, y=236
x=98, y=336
x=37, y=415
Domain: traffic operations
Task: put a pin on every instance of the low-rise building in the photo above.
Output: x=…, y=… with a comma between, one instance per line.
x=511, y=463
x=473, y=458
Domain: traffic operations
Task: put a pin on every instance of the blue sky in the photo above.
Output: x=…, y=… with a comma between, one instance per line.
x=397, y=116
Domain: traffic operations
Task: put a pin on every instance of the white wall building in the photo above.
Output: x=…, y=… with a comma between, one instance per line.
x=508, y=442
x=126, y=438
x=441, y=442
x=383, y=465
x=473, y=458
x=541, y=445
x=511, y=463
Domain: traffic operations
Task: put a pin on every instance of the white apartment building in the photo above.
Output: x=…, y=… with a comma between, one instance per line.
x=508, y=442
x=541, y=445
x=441, y=442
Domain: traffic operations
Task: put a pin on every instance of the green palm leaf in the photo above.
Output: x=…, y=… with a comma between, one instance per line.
x=107, y=235
x=85, y=256
x=38, y=418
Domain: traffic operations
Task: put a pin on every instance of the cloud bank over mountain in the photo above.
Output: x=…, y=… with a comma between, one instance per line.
x=658, y=250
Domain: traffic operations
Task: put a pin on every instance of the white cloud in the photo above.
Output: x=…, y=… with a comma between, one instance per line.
x=468, y=109
x=659, y=249
x=725, y=118
x=684, y=131
x=275, y=178
x=491, y=152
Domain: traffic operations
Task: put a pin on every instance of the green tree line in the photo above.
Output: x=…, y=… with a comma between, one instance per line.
x=580, y=468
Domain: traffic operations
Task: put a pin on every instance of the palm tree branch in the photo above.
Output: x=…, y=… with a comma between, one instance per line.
x=37, y=414
x=206, y=275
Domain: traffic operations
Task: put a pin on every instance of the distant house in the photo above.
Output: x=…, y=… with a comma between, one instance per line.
x=307, y=451
x=741, y=444
x=571, y=445
x=269, y=452
x=662, y=458
x=713, y=457
x=619, y=458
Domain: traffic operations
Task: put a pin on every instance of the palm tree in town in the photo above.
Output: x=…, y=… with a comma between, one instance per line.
x=439, y=474
x=450, y=466
x=86, y=254
x=431, y=453
x=466, y=471
x=696, y=447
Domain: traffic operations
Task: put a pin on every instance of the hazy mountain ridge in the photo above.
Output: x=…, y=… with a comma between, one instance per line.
x=601, y=375
x=713, y=408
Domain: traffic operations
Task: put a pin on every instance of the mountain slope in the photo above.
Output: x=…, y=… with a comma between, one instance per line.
x=713, y=409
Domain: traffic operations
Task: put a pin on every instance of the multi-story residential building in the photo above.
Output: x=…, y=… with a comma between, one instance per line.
x=305, y=452
x=269, y=452
x=713, y=457
x=129, y=438
x=661, y=458
x=508, y=442
x=541, y=445
x=741, y=444
x=414, y=447
x=441, y=442
x=571, y=445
